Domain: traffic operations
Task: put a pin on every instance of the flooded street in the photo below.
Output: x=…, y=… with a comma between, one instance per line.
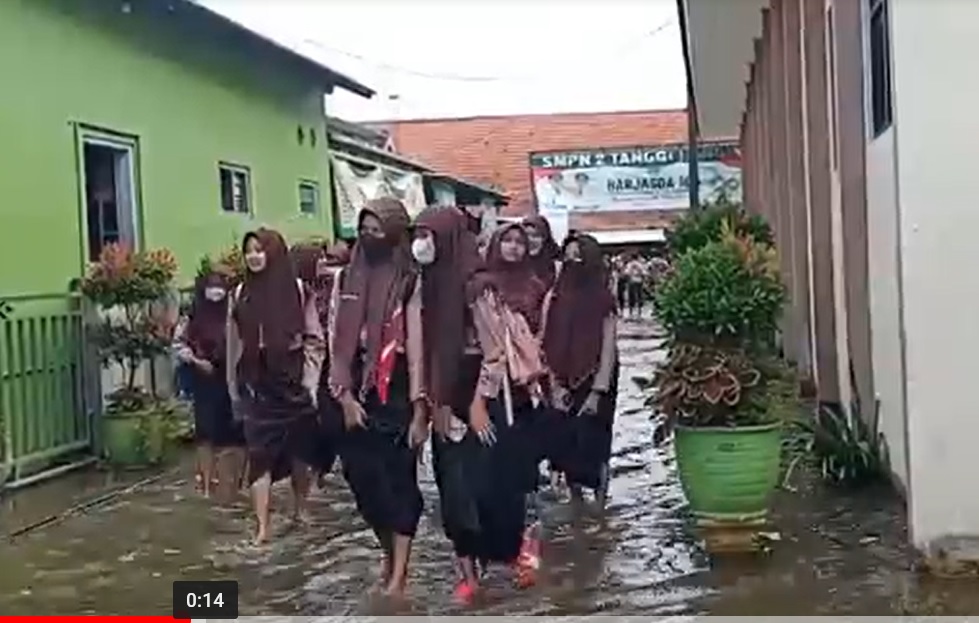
x=836, y=554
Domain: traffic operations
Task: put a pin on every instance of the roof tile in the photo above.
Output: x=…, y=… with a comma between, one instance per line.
x=496, y=150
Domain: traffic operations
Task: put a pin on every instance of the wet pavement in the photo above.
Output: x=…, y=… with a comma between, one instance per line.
x=838, y=553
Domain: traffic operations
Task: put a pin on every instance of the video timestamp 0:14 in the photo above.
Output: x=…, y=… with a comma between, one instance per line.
x=205, y=599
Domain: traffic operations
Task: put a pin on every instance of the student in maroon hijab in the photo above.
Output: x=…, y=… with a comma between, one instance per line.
x=445, y=249
x=201, y=344
x=319, y=267
x=275, y=354
x=507, y=300
x=542, y=249
x=377, y=377
x=581, y=354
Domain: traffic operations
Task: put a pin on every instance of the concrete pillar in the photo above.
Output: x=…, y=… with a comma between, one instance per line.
x=818, y=187
x=853, y=168
x=797, y=230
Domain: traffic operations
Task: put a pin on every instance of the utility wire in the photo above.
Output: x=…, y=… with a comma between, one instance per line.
x=452, y=77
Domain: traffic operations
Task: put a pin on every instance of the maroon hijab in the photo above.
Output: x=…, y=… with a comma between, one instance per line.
x=543, y=262
x=206, y=325
x=338, y=253
x=444, y=306
x=371, y=291
x=580, y=303
x=306, y=258
x=269, y=308
x=514, y=282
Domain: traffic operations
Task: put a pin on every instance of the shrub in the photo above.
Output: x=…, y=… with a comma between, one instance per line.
x=847, y=443
x=125, y=286
x=701, y=227
x=121, y=277
x=727, y=291
x=720, y=305
x=229, y=260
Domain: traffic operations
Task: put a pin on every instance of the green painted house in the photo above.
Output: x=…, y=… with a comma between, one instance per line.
x=157, y=123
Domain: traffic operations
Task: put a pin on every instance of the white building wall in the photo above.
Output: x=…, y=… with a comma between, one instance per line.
x=935, y=45
x=885, y=299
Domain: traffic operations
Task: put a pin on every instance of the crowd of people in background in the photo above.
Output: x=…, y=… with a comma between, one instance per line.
x=632, y=278
x=500, y=349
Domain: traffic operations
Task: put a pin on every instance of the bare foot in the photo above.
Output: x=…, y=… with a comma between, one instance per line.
x=302, y=518
x=261, y=536
x=395, y=589
x=383, y=578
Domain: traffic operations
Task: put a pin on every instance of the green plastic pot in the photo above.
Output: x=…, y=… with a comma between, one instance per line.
x=729, y=474
x=123, y=439
x=155, y=440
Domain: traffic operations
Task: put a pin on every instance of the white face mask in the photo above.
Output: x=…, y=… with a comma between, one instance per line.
x=214, y=294
x=423, y=249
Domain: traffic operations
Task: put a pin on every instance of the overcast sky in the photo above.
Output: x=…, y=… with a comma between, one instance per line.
x=438, y=58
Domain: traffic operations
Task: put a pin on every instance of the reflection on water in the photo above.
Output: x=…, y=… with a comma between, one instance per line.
x=838, y=554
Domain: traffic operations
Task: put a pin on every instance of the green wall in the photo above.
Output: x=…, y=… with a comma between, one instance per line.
x=191, y=102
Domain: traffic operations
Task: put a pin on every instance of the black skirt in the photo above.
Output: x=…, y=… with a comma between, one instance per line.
x=329, y=426
x=580, y=446
x=280, y=424
x=214, y=421
x=482, y=488
x=378, y=464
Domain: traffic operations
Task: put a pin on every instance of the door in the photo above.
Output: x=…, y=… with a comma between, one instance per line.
x=836, y=210
x=108, y=178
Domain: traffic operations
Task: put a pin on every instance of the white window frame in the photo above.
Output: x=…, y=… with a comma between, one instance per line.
x=236, y=170
x=315, y=187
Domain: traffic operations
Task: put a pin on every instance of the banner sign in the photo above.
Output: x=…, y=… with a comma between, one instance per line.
x=356, y=185
x=633, y=178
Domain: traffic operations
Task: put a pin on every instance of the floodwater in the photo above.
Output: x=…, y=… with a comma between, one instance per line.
x=836, y=553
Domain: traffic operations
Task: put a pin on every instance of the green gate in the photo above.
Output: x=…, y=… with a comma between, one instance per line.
x=45, y=426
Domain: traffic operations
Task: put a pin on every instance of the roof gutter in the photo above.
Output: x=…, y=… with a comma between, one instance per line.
x=332, y=76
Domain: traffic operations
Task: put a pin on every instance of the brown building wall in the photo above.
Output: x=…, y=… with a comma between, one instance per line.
x=798, y=225
x=820, y=224
x=853, y=167
x=786, y=141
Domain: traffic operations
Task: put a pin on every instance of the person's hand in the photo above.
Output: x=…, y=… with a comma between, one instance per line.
x=354, y=415
x=561, y=398
x=204, y=366
x=237, y=408
x=418, y=431
x=479, y=421
x=441, y=419
x=591, y=404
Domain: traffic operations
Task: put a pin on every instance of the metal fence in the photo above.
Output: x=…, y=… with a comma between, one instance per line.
x=45, y=426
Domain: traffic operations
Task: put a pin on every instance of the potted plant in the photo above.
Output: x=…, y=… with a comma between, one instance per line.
x=128, y=335
x=721, y=388
x=699, y=227
x=230, y=259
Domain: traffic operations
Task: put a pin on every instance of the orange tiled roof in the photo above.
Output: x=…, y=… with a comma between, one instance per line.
x=496, y=150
